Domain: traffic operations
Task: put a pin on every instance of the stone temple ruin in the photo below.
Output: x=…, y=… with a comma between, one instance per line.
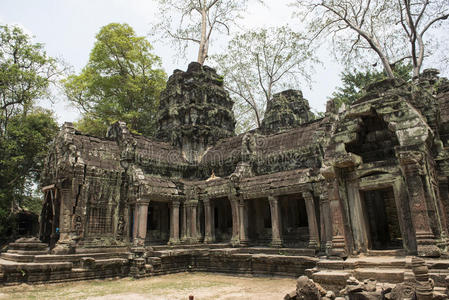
x=349, y=197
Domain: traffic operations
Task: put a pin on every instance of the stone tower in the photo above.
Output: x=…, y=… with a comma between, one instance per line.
x=195, y=111
x=287, y=109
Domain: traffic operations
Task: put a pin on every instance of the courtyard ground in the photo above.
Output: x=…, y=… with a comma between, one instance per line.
x=168, y=287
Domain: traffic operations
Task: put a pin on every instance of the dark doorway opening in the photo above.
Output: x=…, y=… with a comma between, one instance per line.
x=295, y=225
x=382, y=220
x=222, y=219
x=259, y=222
x=158, y=223
x=49, y=228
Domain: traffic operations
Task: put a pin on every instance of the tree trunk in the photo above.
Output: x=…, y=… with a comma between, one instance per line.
x=202, y=52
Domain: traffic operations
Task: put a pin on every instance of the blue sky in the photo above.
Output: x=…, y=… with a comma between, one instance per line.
x=68, y=29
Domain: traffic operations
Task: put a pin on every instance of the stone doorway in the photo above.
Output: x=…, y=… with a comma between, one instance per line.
x=295, y=225
x=381, y=217
x=259, y=222
x=158, y=223
x=49, y=227
x=222, y=219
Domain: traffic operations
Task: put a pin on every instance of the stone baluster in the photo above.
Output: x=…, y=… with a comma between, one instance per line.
x=235, y=239
x=184, y=222
x=174, y=222
x=243, y=221
x=276, y=240
x=209, y=222
x=312, y=220
x=141, y=223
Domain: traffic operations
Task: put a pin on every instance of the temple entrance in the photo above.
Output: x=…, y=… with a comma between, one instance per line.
x=295, y=225
x=158, y=223
x=259, y=222
x=49, y=227
x=381, y=217
x=222, y=225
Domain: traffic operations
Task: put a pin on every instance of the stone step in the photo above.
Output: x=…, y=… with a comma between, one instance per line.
x=279, y=251
x=32, y=246
x=331, y=277
x=393, y=252
x=381, y=275
x=17, y=257
x=368, y=262
x=29, y=252
x=194, y=246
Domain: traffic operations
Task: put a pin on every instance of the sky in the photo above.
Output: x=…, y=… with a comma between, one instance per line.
x=67, y=28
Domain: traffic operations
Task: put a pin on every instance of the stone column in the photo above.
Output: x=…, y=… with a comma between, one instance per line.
x=312, y=221
x=443, y=187
x=243, y=221
x=184, y=222
x=235, y=240
x=209, y=221
x=141, y=234
x=191, y=218
x=336, y=214
x=275, y=222
x=411, y=163
x=135, y=222
x=326, y=233
x=174, y=223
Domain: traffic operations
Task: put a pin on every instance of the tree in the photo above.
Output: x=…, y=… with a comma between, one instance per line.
x=122, y=81
x=198, y=19
x=26, y=73
x=22, y=150
x=355, y=82
x=261, y=62
x=394, y=30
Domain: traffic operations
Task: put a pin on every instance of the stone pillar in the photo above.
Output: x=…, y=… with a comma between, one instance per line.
x=142, y=217
x=135, y=222
x=184, y=222
x=411, y=163
x=336, y=214
x=174, y=223
x=312, y=221
x=209, y=236
x=275, y=222
x=235, y=240
x=191, y=218
x=243, y=221
x=326, y=233
x=443, y=188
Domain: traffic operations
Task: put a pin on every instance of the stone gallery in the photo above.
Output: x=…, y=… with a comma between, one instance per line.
x=349, y=199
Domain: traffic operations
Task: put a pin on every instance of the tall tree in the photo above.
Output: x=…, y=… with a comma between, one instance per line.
x=26, y=74
x=261, y=62
x=394, y=30
x=198, y=19
x=121, y=81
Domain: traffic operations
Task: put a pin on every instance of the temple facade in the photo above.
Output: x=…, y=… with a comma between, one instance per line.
x=371, y=177
x=368, y=179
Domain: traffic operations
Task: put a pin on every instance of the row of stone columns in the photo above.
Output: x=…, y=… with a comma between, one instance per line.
x=188, y=231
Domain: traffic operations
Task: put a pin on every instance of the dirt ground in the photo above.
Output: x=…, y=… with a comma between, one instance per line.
x=168, y=287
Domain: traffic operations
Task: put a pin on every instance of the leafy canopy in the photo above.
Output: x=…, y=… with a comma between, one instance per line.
x=355, y=82
x=122, y=81
x=26, y=74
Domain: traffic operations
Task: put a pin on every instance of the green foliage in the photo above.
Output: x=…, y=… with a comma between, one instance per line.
x=26, y=73
x=22, y=151
x=354, y=82
x=121, y=81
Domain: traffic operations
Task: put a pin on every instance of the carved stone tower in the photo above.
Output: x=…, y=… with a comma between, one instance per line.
x=195, y=111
